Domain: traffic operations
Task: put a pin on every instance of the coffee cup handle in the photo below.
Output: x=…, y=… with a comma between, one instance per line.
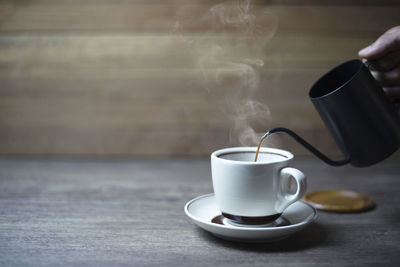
x=301, y=182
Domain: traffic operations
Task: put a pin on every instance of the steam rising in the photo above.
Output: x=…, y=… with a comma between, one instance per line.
x=230, y=61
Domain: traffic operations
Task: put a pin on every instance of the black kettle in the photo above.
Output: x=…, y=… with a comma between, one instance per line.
x=358, y=114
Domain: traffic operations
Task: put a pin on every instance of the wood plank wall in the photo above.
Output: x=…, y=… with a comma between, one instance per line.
x=170, y=78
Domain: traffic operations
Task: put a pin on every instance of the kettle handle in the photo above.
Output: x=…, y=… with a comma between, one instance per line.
x=395, y=101
x=309, y=147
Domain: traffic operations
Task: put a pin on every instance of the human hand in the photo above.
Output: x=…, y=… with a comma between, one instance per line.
x=384, y=58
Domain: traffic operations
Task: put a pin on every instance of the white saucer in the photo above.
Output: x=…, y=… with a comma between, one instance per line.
x=202, y=210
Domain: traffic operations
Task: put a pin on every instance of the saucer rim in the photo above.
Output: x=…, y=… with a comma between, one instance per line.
x=304, y=222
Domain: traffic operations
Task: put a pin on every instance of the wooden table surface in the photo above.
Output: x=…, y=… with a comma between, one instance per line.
x=129, y=212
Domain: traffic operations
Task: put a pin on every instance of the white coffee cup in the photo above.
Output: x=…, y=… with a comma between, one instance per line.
x=251, y=192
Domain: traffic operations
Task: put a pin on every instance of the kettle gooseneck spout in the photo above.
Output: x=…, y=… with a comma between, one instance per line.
x=309, y=147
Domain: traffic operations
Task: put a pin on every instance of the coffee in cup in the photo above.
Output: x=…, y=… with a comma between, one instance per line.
x=249, y=192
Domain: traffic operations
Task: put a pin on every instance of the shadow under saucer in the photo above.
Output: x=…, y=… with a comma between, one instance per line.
x=312, y=236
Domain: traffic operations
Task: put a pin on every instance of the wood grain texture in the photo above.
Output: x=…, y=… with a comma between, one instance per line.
x=129, y=212
x=137, y=77
x=318, y=16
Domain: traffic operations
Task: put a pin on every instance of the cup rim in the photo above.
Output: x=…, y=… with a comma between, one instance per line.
x=216, y=154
